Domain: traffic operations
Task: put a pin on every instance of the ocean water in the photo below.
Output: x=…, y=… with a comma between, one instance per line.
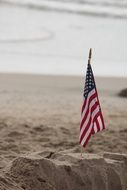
x=54, y=37
x=105, y=8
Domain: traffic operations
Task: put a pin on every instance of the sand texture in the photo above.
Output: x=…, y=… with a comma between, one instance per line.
x=39, y=131
x=66, y=171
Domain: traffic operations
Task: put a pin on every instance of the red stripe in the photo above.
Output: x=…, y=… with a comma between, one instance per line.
x=102, y=119
x=85, y=130
x=85, y=143
x=96, y=121
x=98, y=126
x=89, y=122
x=95, y=118
x=86, y=113
x=84, y=104
x=85, y=101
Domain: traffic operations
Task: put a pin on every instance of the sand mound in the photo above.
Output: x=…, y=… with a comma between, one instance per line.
x=66, y=171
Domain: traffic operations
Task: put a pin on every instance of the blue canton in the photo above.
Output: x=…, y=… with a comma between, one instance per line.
x=89, y=83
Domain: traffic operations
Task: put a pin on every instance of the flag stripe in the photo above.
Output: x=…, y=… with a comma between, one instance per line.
x=95, y=127
x=86, y=101
x=90, y=128
x=87, y=135
x=83, y=133
x=87, y=139
x=86, y=126
x=92, y=101
x=100, y=123
x=87, y=117
x=97, y=123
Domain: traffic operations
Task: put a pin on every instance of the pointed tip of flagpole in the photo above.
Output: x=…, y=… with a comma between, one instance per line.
x=90, y=55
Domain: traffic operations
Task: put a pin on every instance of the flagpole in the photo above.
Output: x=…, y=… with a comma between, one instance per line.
x=90, y=56
x=89, y=62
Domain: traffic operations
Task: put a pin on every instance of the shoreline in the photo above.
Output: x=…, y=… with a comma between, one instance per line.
x=42, y=46
x=113, y=80
x=89, y=10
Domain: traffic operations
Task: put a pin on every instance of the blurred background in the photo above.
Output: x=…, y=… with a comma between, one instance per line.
x=54, y=36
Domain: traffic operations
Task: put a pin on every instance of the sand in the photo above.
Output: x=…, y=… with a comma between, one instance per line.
x=40, y=115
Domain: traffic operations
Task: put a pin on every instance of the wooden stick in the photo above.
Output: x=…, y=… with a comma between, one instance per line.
x=90, y=55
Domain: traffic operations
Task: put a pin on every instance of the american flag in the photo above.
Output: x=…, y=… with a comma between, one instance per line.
x=91, y=115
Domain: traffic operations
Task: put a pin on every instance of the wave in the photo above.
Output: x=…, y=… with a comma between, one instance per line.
x=113, y=9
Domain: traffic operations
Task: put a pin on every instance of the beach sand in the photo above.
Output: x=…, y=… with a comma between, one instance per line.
x=41, y=115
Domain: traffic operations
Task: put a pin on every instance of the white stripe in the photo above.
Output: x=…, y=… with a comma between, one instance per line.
x=100, y=123
x=89, y=114
x=90, y=128
x=87, y=101
x=92, y=115
x=93, y=101
x=95, y=127
x=86, y=135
